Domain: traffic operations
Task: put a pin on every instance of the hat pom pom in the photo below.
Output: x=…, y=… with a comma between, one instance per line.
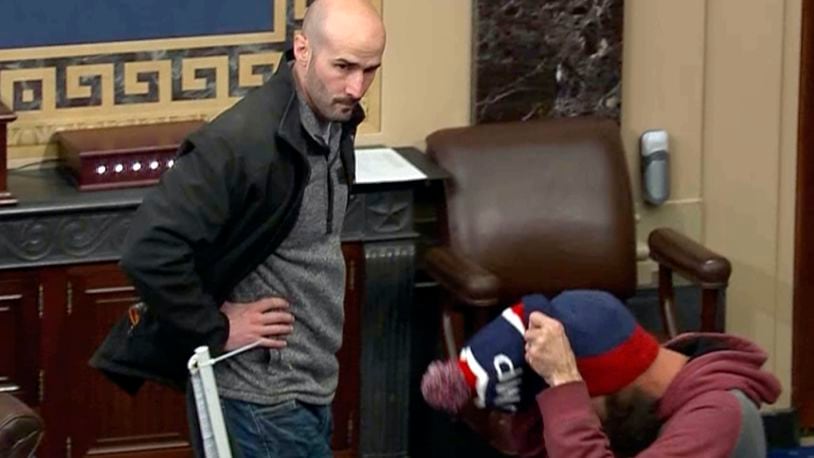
x=444, y=386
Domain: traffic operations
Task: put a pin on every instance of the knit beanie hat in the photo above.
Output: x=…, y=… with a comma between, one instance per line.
x=611, y=350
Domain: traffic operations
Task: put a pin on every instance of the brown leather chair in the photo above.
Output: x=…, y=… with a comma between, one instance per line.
x=546, y=206
x=20, y=428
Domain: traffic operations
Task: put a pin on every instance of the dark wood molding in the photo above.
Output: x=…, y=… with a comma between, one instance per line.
x=92, y=157
x=803, y=315
x=345, y=408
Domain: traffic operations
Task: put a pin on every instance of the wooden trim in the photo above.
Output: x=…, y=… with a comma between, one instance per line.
x=6, y=116
x=346, y=404
x=802, y=394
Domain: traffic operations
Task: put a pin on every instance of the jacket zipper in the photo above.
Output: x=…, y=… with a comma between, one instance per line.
x=330, y=219
x=330, y=165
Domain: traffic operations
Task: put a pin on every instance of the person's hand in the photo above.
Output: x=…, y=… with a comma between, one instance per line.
x=548, y=350
x=267, y=320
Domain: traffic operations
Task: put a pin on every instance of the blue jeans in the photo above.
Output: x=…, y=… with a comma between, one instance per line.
x=290, y=429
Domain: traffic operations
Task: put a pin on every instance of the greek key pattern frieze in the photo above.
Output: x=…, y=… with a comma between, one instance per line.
x=141, y=82
x=129, y=78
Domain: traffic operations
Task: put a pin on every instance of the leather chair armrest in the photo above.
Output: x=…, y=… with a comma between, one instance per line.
x=20, y=427
x=689, y=258
x=467, y=281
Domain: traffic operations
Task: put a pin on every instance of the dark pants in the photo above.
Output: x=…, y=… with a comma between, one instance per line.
x=287, y=430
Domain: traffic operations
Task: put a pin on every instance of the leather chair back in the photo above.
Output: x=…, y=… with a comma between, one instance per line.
x=20, y=428
x=545, y=206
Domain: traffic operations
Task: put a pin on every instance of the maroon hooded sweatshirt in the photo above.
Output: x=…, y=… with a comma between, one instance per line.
x=703, y=416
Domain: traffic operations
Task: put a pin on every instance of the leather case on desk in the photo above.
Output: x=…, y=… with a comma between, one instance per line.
x=119, y=157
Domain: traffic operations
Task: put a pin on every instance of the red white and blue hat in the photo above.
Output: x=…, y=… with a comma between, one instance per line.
x=611, y=348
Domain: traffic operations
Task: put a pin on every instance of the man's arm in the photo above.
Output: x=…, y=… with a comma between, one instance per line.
x=570, y=425
x=184, y=213
x=706, y=427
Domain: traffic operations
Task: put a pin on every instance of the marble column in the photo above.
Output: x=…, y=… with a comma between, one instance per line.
x=547, y=58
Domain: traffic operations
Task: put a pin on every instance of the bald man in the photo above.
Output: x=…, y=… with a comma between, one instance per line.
x=240, y=243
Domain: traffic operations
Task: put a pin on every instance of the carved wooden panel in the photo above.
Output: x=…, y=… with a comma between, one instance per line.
x=19, y=321
x=63, y=238
x=103, y=420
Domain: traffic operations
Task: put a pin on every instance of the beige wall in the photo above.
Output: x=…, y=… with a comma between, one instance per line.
x=426, y=70
x=663, y=88
x=721, y=77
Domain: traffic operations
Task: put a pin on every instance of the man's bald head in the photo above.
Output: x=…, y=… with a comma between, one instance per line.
x=327, y=20
x=337, y=55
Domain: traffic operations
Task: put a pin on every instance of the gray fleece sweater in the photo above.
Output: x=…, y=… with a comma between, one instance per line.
x=309, y=271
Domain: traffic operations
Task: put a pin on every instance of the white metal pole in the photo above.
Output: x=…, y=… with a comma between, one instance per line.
x=209, y=393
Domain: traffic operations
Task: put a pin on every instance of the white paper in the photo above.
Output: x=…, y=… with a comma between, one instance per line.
x=384, y=165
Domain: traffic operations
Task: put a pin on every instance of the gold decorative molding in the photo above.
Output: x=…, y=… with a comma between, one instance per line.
x=85, y=86
x=299, y=9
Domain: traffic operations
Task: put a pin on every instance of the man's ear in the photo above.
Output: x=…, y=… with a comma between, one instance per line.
x=302, y=48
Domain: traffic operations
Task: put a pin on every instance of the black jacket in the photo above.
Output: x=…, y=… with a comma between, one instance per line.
x=230, y=199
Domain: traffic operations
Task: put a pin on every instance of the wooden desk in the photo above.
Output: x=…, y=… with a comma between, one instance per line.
x=61, y=291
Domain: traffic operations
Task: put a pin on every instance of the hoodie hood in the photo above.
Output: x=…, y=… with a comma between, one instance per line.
x=734, y=363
